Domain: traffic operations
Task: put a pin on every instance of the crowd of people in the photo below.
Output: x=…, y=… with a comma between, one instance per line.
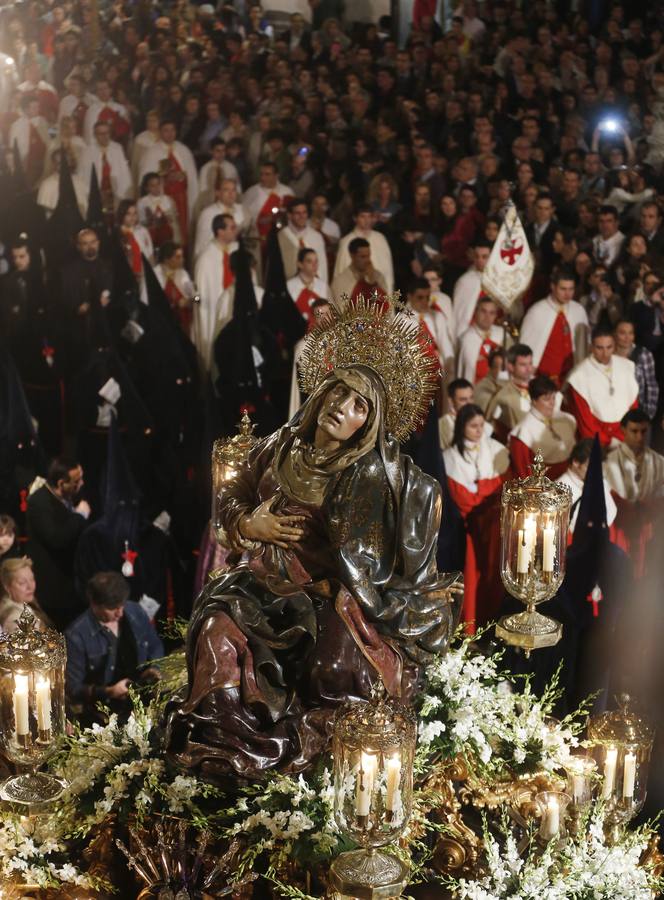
x=188, y=189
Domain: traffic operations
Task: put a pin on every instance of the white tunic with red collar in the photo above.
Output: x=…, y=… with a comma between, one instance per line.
x=599, y=396
x=475, y=347
x=303, y=295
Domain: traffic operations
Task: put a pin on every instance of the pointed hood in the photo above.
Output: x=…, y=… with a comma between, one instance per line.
x=95, y=215
x=591, y=532
x=278, y=312
x=66, y=221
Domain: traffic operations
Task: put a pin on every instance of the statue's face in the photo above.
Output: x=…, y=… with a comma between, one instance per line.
x=342, y=413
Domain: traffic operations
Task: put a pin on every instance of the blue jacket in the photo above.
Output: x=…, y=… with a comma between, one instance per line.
x=92, y=649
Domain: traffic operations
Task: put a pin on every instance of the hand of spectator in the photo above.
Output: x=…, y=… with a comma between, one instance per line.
x=83, y=509
x=119, y=690
x=105, y=298
x=83, y=309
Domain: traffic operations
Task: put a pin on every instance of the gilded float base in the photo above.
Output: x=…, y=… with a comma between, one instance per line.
x=368, y=875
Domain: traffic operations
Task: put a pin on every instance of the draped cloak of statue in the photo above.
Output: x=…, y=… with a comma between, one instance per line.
x=277, y=642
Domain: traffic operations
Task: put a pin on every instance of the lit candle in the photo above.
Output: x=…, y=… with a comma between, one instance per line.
x=21, y=705
x=551, y=819
x=365, y=780
x=530, y=534
x=523, y=555
x=629, y=775
x=547, y=550
x=609, y=773
x=43, y=693
x=392, y=776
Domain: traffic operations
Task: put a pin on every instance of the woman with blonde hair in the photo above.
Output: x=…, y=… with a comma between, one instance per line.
x=18, y=587
x=383, y=195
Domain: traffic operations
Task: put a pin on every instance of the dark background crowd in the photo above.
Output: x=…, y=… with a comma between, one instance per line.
x=184, y=188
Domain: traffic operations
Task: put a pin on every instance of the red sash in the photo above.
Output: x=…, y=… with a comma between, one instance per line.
x=264, y=219
x=175, y=187
x=305, y=298
x=482, y=363
x=133, y=252
x=227, y=276
x=183, y=314
x=159, y=227
x=558, y=357
x=366, y=290
x=78, y=115
x=34, y=162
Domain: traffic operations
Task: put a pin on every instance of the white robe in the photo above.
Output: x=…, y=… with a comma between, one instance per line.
x=204, y=224
x=296, y=286
x=147, y=207
x=590, y=381
x=554, y=437
x=575, y=484
x=632, y=480
x=208, y=276
x=207, y=177
x=20, y=133
x=142, y=143
x=469, y=349
x=381, y=255
x=181, y=279
x=49, y=193
x=93, y=113
x=121, y=183
x=69, y=103
x=289, y=244
x=467, y=291
x=482, y=461
x=254, y=199
x=539, y=321
x=150, y=163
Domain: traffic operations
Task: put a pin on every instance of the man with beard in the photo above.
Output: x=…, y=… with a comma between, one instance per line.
x=87, y=283
x=55, y=520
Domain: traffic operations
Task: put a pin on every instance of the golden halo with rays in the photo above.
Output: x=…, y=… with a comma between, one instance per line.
x=381, y=334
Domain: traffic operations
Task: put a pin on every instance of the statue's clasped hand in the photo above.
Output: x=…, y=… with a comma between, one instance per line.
x=271, y=528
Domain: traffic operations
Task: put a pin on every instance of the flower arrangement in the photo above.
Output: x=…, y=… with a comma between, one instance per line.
x=469, y=708
x=584, y=867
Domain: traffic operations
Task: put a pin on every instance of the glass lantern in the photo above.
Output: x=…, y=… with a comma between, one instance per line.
x=621, y=742
x=533, y=531
x=373, y=746
x=229, y=456
x=552, y=806
x=32, y=709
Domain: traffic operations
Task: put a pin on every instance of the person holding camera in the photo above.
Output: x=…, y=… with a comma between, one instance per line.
x=108, y=646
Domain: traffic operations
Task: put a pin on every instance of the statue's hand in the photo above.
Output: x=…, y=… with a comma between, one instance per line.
x=271, y=528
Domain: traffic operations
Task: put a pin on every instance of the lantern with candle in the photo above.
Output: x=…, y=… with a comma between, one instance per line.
x=373, y=747
x=32, y=709
x=229, y=456
x=552, y=807
x=621, y=742
x=534, y=521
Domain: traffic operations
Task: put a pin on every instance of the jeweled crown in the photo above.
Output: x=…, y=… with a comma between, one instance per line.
x=382, y=334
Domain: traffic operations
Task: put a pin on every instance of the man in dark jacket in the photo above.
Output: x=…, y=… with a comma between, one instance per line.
x=107, y=645
x=55, y=521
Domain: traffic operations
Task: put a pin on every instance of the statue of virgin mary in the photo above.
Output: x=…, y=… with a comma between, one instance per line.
x=336, y=584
